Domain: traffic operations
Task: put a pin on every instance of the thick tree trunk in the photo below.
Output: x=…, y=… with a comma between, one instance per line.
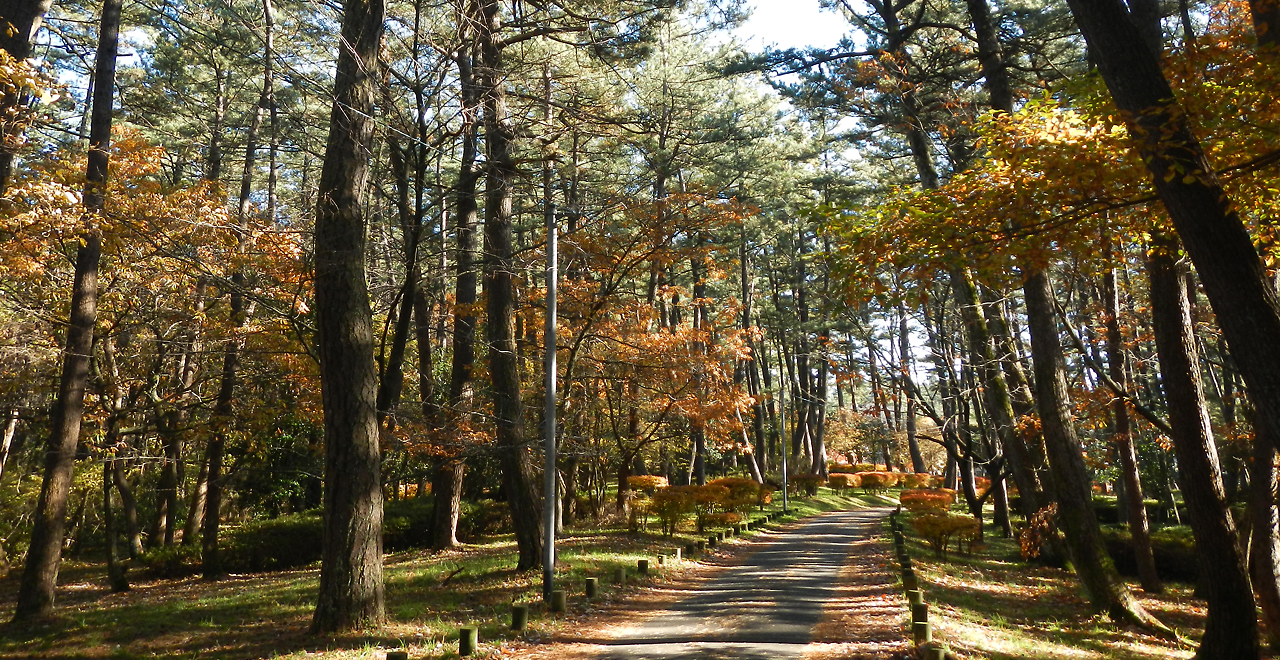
x=514, y=454
x=115, y=572
x=195, y=512
x=1106, y=591
x=1266, y=22
x=1264, y=543
x=129, y=508
x=351, y=589
x=1219, y=244
x=1136, y=510
x=40, y=575
x=444, y=517
x=446, y=505
x=1231, y=630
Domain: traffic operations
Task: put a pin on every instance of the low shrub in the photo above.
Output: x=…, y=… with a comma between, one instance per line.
x=1172, y=547
x=728, y=519
x=407, y=524
x=743, y=493
x=939, y=529
x=807, y=483
x=708, y=499
x=647, y=483
x=274, y=545
x=841, y=481
x=172, y=561
x=917, y=480
x=927, y=500
x=863, y=467
x=672, y=505
x=764, y=495
x=879, y=479
x=483, y=518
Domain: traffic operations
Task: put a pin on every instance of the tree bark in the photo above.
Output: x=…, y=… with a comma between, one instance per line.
x=514, y=453
x=1231, y=630
x=1264, y=542
x=449, y=471
x=115, y=572
x=40, y=575
x=1106, y=591
x=351, y=592
x=195, y=512
x=1266, y=22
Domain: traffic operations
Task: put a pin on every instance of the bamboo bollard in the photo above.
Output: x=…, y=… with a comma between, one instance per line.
x=468, y=640
x=559, y=601
x=921, y=632
x=642, y=566
x=677, y=555
x=591, y=587
x=619, y=575
x=519, y=617
x=919, y=612
x=914, y=597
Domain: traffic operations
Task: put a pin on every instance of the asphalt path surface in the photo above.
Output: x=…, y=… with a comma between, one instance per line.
x=765, y=608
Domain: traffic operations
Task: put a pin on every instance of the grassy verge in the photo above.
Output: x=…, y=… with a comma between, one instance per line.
x=266, y=614
x=992, y=604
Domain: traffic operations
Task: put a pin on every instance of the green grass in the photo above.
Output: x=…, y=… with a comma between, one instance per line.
x=266, y=615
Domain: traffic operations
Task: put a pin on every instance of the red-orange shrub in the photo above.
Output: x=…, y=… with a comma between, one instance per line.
x=939, y=528
x=918, y=480
x=925, y=501
x=649, y=483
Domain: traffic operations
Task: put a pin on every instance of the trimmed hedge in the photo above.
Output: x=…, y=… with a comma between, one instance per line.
x=1172, y=547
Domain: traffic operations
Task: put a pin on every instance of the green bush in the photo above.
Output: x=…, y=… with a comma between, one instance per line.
x=1173, y=548
x=407, y=524
x=171, y=561
x=672, y=505
x=483, y=518
x=274, y=545
x=807, y=483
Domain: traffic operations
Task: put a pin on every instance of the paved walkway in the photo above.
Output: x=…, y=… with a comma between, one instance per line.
x=765, y=608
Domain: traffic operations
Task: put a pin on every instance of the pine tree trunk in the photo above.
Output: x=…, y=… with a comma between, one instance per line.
x=1264, y=543
x=1136, y=510
x=351, y=588
x=446, y=506
x=514, y=454
x=1231, y=630
x=443, y=515
x=1106, y=591
x=40, y=575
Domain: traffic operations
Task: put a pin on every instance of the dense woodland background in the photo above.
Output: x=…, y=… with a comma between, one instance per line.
x=312, y=275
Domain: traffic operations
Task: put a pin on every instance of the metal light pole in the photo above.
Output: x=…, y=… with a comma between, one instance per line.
x=549, y=415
